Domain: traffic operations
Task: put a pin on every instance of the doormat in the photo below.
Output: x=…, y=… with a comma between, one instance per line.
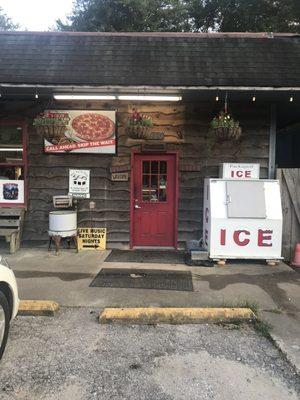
x=146, y=256
x=144, y=279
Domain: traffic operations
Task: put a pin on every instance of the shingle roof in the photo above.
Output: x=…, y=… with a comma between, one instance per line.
x=154, y=59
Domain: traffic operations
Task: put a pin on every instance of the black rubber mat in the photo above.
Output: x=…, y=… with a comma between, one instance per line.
x=144, y=279
x=146, y=256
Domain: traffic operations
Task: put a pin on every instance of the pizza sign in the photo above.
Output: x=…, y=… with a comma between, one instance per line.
x=80, y=131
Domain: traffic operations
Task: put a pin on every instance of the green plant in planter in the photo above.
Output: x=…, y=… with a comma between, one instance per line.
x=225, y=127
x=138, y=125
x=52, y=126
x=48, y=118
x=222, y=128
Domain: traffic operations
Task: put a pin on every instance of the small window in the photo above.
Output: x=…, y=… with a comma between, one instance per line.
x=154, y=181
x=13, y=163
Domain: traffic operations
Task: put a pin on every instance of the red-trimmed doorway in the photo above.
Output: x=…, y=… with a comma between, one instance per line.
x=154, y=200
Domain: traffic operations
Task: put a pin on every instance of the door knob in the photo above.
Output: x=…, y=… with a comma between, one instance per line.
x=136, y=203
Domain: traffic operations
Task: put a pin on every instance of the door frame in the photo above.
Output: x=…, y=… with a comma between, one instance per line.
x=175, y=153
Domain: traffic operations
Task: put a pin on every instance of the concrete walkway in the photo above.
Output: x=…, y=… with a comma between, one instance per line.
x=66, y=279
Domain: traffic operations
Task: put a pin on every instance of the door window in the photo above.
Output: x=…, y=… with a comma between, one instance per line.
x=154, y=181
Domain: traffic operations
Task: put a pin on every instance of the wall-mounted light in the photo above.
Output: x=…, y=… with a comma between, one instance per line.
x=291, y=98
x=217, y=97
x=254, y=98
x=145, y=97
x=36, y=95
x=75, y=96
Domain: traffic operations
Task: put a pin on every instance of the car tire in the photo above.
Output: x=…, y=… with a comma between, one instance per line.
x=4, y=322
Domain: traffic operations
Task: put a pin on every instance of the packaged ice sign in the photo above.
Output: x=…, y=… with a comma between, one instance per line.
x=79, y=183
x=239, y=171
x=242, y=219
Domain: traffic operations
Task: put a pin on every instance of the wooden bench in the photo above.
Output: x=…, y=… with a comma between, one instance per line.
x=11, y=226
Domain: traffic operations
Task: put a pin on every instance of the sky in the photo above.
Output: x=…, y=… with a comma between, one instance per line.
x=36, y=15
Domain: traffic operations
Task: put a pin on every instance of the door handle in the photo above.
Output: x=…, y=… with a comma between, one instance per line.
x=136, y=204
x=228, y=199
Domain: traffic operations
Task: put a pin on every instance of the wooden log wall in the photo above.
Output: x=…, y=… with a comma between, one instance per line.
x=289, y=179
x=48, y=174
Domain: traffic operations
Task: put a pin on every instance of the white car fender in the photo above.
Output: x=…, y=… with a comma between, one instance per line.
x=7, y=276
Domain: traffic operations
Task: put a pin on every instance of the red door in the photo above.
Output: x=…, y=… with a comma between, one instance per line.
x=154, y=200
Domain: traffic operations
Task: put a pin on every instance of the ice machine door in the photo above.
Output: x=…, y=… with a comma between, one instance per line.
x=245, y=199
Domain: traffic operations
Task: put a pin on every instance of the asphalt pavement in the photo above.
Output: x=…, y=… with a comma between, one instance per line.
x=66, y=279
x=72, y=357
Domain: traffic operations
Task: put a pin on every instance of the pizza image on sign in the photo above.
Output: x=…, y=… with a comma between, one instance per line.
x=85, y=132
x=89, y=127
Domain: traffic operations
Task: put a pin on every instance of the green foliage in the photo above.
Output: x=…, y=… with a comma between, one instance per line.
x=263, y=328
x=184, y=16
x=246, y=303
x=128, y=16
x=138, y=119
x=246, y=16
x=6, y=23
x=47, y=118
x=224, y=120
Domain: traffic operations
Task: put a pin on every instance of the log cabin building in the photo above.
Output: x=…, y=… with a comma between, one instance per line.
x=148, y=187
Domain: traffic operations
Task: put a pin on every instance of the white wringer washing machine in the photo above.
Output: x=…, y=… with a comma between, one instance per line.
x=242, y=215
x=62, y=222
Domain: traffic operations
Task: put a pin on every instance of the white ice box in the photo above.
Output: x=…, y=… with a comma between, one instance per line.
x=242, y=219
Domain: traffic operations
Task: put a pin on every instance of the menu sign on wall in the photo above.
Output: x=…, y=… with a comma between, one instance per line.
x=79, y=183
x=79, y=131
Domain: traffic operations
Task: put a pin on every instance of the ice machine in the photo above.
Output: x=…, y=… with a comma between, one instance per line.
x=242, y=219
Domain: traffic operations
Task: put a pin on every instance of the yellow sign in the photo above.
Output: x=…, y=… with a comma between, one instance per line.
x=91, y=238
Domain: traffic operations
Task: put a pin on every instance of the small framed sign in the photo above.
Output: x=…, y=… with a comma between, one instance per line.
x=12, y=191
x=91, y=238
x=79, y=183
x=119, y=176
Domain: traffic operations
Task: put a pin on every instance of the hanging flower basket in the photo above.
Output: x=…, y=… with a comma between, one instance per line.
x=138, y=126
x=137, y=131
x=224, y=127
x=52, y=126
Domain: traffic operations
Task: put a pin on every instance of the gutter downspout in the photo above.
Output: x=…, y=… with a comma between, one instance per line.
x=272, y=142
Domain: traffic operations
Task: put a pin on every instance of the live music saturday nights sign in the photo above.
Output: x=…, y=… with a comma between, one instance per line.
x=91, y=238
x=79, y=131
